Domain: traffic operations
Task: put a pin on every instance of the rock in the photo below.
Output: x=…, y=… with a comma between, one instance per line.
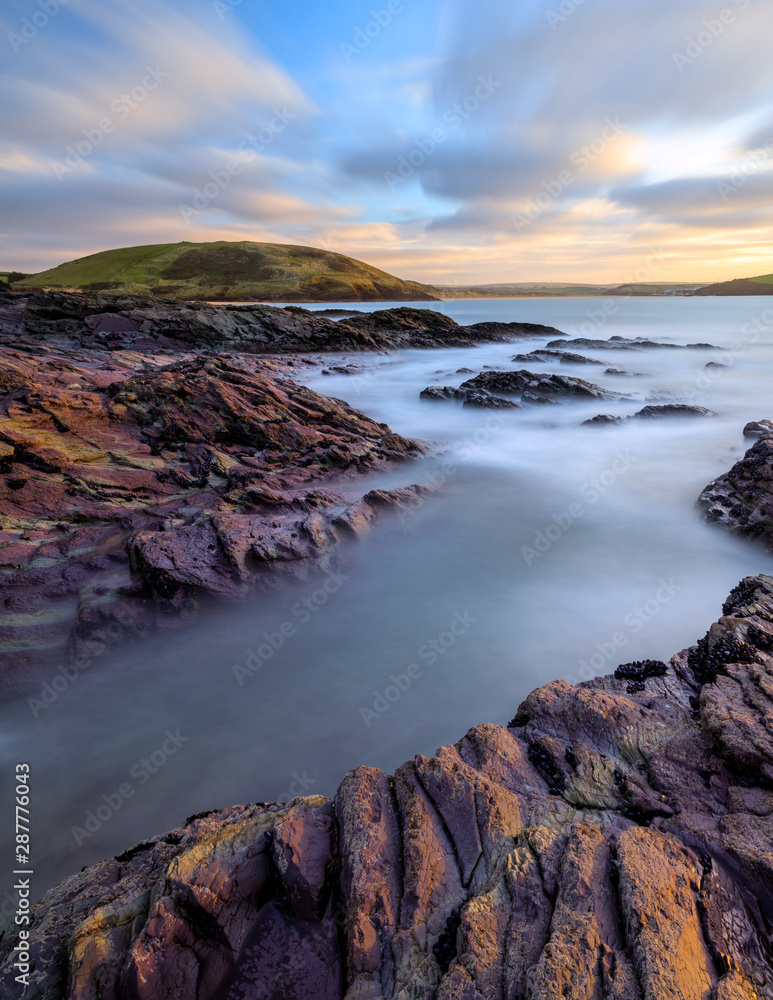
x=652, y=413
x=538, y=388
x=200, y=466
x=620, y=371
x=614, y=841
x=715, y=364
x=626, y=344
x=742, y=499
x=482, y=400
x=603, y=419
x=115, y=322
x=758, y=429
x=479, y=398
x=565, y=357
x=673, y=410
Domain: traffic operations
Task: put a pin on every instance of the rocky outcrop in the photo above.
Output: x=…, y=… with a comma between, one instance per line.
x=135, y=486
x=532, y=387
x=742, y=499
x=614, y=841
x=115, y=322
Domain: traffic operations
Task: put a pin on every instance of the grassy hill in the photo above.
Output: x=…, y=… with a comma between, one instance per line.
x=763, y=285
x=224, y=271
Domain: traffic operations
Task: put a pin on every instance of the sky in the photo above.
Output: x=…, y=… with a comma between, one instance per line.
x=447, y=142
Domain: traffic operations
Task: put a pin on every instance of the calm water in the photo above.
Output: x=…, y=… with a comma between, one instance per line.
x=555, y=551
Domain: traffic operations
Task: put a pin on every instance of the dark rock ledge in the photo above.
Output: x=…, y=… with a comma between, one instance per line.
x=615, y=841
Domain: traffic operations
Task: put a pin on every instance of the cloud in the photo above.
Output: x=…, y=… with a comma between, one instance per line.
x=184, y=89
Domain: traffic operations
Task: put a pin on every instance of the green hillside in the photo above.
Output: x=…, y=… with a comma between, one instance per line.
x=762, y=285
x=224, y=271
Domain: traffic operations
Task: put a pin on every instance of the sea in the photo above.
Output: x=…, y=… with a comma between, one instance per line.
x=552, y=551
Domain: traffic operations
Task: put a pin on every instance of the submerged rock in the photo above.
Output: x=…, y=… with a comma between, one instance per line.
x=614, y=841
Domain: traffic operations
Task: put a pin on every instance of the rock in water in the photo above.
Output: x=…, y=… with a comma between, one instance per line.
x=613, y=842
x=742, y=499
x=470, y=397
x=533, y=387
x=758, y=429
x=673, y=410
x=137, y=485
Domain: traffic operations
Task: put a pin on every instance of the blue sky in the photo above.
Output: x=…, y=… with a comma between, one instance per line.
x=444, y=141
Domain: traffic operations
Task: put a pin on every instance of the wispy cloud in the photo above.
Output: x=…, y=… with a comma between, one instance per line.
x=324, y=177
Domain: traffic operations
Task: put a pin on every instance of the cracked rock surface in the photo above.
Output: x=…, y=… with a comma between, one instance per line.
x=615, y=842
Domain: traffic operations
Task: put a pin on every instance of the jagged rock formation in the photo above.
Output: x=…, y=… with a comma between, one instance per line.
x=614, y=843
x=742, y=499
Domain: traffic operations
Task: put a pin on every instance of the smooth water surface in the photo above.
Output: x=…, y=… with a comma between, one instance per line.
x=554, y=551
